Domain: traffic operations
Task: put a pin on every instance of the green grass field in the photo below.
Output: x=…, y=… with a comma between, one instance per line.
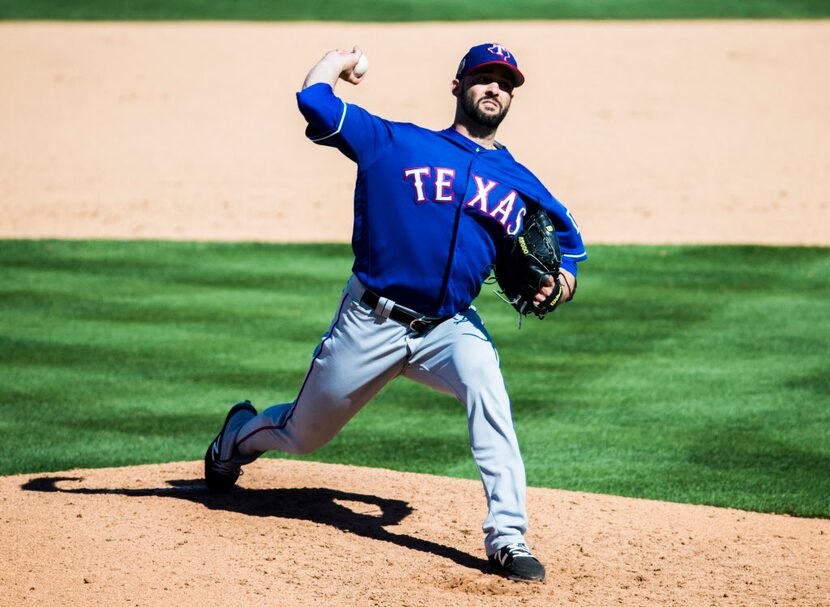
x=692, y=374
x=410, y=10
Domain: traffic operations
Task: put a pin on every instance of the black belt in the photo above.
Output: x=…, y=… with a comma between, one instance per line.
x=416, y=322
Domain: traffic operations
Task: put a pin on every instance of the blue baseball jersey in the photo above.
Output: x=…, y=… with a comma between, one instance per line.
x=430, y=207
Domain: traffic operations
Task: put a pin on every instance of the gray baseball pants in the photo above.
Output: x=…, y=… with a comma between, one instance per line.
x=363, y=351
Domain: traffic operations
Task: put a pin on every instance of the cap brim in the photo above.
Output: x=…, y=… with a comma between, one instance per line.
x=518, y=77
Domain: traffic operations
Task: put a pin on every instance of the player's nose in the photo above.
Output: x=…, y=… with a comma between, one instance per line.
x=493, y=88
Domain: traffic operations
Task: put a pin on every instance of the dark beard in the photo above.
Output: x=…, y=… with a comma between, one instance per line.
x=476, y=115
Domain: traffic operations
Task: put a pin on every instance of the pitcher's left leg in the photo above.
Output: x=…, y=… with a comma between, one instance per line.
x=458, y=358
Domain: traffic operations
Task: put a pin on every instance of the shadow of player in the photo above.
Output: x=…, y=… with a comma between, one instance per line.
x=318, y=505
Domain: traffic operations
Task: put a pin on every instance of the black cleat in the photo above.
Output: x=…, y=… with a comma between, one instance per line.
x=221, y=473
x=517, y=562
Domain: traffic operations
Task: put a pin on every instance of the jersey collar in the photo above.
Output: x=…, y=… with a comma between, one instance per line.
x=468, y=144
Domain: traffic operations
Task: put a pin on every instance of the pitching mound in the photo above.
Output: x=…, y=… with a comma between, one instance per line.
x=298, y=533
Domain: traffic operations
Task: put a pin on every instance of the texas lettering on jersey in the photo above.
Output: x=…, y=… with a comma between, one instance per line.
x=487, y=199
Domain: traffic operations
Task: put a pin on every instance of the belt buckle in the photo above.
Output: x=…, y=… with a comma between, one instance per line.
x=419, y=325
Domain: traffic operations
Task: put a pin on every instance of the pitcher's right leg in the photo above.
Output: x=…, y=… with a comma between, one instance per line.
x=356, y=358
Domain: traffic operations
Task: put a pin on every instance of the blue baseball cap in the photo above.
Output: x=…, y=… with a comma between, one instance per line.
x=489, y=54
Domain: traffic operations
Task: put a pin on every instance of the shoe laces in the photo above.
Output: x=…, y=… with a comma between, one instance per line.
x=517, y=550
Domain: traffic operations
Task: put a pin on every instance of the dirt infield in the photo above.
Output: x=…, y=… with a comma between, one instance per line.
x=650, y=132
x=318, y=534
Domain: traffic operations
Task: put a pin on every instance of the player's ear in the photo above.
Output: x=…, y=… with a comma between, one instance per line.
x=456, y=88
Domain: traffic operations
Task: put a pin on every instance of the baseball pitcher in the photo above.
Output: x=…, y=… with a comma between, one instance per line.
x=434, y=213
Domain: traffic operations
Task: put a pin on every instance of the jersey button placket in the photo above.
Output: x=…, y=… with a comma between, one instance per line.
x=469, y=188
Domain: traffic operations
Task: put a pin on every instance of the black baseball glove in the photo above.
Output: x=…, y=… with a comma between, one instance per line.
x=525, y=263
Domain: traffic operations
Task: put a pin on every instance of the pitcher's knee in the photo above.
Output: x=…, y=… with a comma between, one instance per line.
x=305, y=447
x=308, y=440
x=302, y=449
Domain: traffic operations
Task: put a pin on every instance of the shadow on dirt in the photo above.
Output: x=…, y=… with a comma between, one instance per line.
x=318, y=505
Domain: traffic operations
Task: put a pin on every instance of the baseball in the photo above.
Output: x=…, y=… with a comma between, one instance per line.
x=362, y=66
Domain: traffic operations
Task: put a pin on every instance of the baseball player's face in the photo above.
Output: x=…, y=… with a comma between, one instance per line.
x=485, y=95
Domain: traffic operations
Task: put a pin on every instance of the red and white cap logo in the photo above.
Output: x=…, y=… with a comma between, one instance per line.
x=498, y=49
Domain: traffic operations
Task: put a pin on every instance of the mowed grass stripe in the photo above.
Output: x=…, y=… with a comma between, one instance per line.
x=692, y=374
x=410, y=10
